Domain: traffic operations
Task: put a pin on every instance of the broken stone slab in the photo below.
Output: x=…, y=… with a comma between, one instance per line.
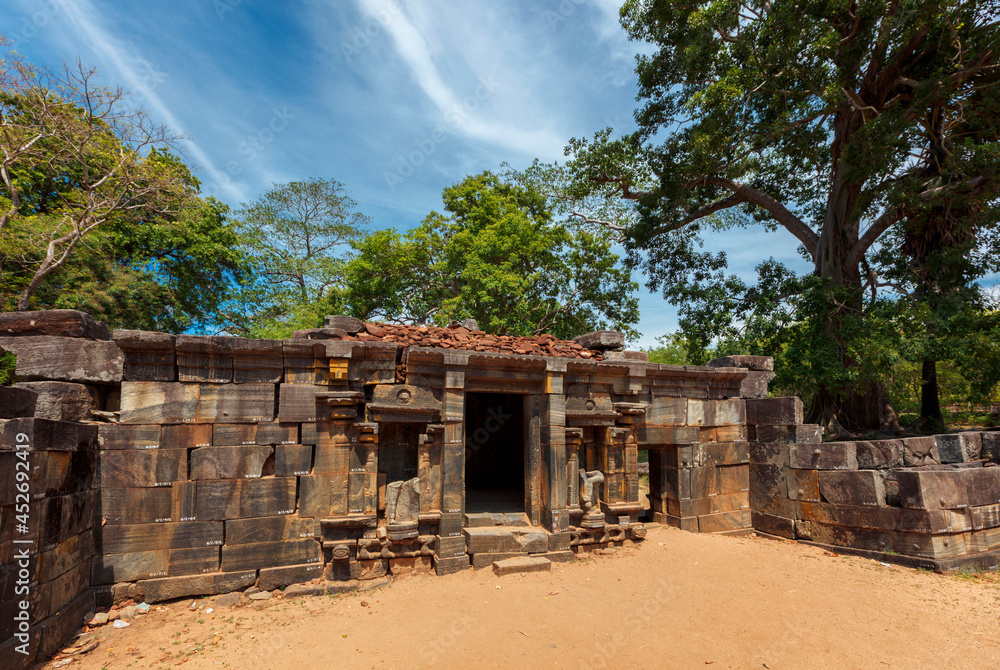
x=511, y=566
x=319, y=334
x=149, y=356
x=296, y=590
x=346, y=323
x=69, y=359
x=601, y=340
x=227, y=600
x=55, y=322
x=16, y=403
x=169, y=588
x=62, y=401
x=756, y=363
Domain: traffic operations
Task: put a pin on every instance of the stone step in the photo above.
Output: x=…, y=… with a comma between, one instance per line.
x=486, y=519
x=511, y=566
x=505, y=539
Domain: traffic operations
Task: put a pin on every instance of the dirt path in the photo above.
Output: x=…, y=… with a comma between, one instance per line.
x=679, y=600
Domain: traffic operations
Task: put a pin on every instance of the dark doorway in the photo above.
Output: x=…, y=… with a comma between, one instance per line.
x=494, y=452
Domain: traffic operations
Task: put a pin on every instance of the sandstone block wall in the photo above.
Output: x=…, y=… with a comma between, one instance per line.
x=934, y=500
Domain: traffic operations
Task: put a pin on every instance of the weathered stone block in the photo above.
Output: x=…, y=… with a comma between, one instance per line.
x=857, y=487
x=186, y=435
x=234, y=499
x=919, y=451
x=601, y=339
x=774, y=411
x=511, y=566
x=809, y=433
x=131, y=436
x=202, y=358
x=982, y=486
x=246, y=462
x=276, y=578
x=16, y=402
x=941, y=489
x=69, y=359
x=667, y=412
x=234, y=434
x=257, y=361
x=268, y=529
x=879, y=455
x=277, y=433
x=951, y=448
x=121, y=468
x=135, y=505
x=724, y=521
x=323, y=495
x=53, y=322
x=113, y=568
x=803, y=485
x=62, y=401
x=148, y=356
x=169, y=588
x=414, y=565
x=192, y=561
x=131, y=538
x=158, y=402
x=291, y=460
x=257, y=555
x=757, y=363
x=773, y=525
x=716, y=412
x=826, y=456
x=231, y=403
x=451, y=565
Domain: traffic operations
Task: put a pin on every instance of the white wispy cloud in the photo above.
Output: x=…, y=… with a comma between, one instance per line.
x=468, y=111
x=141, y=77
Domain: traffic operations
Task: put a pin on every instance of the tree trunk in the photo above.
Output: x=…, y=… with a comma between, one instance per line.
x=930, y=402
x=864, y=406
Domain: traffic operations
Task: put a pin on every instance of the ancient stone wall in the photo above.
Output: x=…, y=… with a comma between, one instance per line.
x=48, y=465
x=931, y=502
x=164, y=466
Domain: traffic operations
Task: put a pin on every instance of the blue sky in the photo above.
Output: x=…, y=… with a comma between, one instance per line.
x=395, y=100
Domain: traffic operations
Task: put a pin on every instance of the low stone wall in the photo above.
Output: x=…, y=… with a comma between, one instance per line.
x=47, y=504
x=925, y=501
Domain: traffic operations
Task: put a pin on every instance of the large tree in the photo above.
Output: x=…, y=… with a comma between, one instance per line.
x=814, y=117
x=96, y=213
x=295, y=237
x=499, y=257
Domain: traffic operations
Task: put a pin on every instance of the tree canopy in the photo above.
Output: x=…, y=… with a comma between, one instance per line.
x=833, y=121
x=96, y=213
x=295, y=237
x=499, y=257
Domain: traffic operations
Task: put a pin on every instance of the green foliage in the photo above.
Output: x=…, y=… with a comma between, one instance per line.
x=835, y=122
x=96, y=213
x=497, y=257
x=294, y=238
x=8, y=363
x=676, y=349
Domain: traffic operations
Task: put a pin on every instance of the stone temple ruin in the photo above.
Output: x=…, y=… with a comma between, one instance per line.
x=160, y=466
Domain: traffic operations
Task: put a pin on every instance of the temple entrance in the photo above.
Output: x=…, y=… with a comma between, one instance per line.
x=494, y=452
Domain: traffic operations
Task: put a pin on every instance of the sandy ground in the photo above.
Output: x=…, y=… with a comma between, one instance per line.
x=678, y=600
